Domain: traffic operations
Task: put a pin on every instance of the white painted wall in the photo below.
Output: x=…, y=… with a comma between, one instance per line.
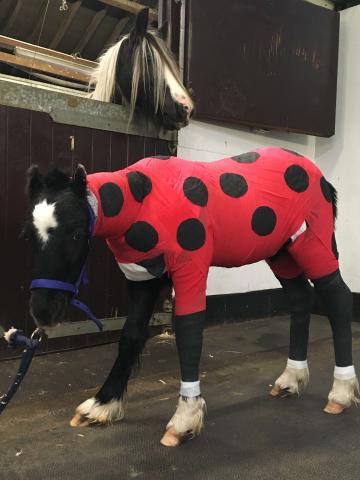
x=338, y=157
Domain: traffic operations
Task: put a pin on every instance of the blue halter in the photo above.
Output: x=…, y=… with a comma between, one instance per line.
x=71, y=287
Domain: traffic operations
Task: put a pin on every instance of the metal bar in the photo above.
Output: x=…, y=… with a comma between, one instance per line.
x=71, y=329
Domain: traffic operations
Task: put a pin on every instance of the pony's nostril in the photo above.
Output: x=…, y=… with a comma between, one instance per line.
x=55, y=308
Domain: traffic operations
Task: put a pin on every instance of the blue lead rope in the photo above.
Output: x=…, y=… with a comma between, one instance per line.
x=17, y=338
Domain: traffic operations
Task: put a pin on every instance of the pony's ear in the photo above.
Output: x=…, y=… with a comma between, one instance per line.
x=79, y=182
x=141, y=24
x=35, y=182
x=164, y=30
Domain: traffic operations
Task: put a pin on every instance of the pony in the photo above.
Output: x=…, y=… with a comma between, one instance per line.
x=140, y=72
x=168, y=220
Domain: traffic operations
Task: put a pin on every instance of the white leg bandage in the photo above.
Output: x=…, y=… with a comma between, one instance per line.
x=190, y=389
x=344, y=373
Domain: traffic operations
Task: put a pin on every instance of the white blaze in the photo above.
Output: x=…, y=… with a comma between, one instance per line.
x=44, y=218
x=177, y=91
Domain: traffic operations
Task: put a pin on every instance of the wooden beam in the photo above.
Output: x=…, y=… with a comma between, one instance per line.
x=13, y=42
x=91, y=29
x=46, y=67
x=69, y=17
x=132, y=7
x=115, y=34
x=13, y=16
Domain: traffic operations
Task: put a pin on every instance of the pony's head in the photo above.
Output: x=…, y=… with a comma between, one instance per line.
x=139, y=71
x=58, y=232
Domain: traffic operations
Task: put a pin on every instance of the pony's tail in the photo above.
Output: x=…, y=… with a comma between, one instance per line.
x=334, y=200
x=104, y=75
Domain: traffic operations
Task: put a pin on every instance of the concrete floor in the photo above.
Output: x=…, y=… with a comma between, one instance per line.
x=248, y=435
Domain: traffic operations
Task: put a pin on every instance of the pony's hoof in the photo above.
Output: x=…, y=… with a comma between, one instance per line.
x=172, y=438
x=277, y=391
x=334, y=408
x=79, y=420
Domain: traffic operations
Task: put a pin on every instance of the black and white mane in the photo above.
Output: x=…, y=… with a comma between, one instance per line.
x=140, y=72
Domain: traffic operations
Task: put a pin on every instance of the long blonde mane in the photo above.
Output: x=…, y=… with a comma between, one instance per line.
x=150, y=57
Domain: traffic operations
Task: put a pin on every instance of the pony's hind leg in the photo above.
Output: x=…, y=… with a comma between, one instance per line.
x=337, y=301
x=188, y=419
x=108, y=405
x=296, y=374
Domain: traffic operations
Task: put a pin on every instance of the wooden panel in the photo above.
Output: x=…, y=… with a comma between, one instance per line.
x=14, y=263
x=273, y=65
x=31, y=137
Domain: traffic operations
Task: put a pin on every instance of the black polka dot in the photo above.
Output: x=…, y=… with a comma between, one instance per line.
x=191, y=234
x=140, y=185
x=195, y=190
x=325, y=189
x=292, y=152
x=296, y=178
x=334, y=246
x=162, y=157
x=155, y=266
x=249, y=157
x=263, y=221
x=111, y=198
x=233, y=185
x=142, y=236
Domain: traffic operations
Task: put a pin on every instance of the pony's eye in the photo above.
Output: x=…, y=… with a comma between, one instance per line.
x=24, y=236
x=50, y=230
x=77, y=236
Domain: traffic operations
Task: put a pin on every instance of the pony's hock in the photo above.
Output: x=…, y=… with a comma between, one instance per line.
x=167, y=220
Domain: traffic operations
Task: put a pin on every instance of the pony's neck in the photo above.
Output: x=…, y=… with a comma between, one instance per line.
x=112, y=202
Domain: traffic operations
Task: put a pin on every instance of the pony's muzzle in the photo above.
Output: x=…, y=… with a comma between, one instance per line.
x=48, y=307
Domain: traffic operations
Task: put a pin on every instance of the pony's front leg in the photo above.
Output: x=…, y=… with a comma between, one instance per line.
x=295, y=377
x=108, y=405
x=337, y=300
x=188, y=419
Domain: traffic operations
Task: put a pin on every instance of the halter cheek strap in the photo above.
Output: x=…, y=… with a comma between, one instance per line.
x=70, y=287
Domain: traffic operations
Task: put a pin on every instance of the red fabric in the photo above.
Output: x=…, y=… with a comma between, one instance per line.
x=230, y=239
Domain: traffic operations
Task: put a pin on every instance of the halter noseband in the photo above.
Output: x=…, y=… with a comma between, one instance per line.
x=71, y=287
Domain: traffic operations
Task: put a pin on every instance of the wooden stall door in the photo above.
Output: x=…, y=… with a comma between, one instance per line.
x=28, y=137
x=265, y=64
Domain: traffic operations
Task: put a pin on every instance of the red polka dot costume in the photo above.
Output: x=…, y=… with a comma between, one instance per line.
x=268, y=204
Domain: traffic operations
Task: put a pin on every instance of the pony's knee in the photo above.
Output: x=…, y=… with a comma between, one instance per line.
x=299, y=293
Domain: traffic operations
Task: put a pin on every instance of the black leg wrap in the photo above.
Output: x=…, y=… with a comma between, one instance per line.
x=337, y=301
x=189, y=335
x=300, y=297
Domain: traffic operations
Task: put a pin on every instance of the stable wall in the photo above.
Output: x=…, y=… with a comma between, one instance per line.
x=338, y=157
